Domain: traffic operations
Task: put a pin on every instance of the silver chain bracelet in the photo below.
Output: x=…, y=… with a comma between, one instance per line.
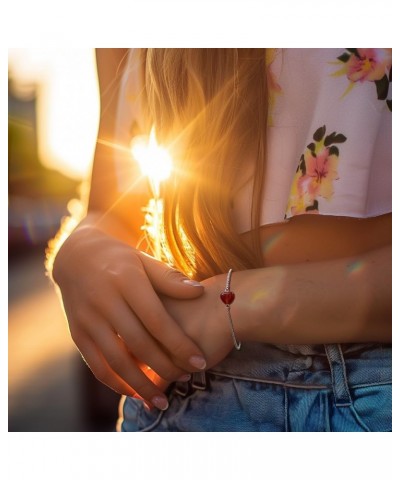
x=227, y=297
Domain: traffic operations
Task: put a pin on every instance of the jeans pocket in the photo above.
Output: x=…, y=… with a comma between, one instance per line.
x=372, y=405
x=136, y=418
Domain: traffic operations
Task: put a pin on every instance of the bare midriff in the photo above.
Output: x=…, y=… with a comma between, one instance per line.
x=313, y=238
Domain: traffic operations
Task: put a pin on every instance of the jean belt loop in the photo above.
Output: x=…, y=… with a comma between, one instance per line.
x=182, y=388
x=339, y=377
x=199, y=381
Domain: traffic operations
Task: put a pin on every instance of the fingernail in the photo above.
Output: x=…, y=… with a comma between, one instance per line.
x=184, y=378
x=160, y=402
x=198, y=362
x=193, y=283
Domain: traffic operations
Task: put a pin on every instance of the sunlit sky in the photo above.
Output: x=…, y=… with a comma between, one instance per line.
x=67, y=104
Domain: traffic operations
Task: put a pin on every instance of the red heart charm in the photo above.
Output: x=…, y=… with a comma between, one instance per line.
x=227, y=297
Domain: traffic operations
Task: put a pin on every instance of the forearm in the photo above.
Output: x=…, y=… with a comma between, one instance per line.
x=114, y=212
x=346, y=300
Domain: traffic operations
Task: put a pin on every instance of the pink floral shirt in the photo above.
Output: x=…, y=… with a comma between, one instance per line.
x=329, y=136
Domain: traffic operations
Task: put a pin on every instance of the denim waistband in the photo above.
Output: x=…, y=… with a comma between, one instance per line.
x=338, y=367
x=320, y=367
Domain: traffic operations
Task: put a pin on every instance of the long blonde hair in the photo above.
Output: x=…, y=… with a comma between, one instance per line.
x=209, y=106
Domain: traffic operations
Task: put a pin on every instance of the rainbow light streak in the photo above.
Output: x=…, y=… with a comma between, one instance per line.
x=355, y=267
x=270, y=242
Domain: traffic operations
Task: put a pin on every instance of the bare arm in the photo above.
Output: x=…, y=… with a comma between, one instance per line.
x=338, y=301
x=109, y=288
x=344, y=300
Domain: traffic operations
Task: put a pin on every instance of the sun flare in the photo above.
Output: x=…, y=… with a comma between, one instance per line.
x=155, y=161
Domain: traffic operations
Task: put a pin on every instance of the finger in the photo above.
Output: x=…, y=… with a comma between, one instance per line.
x=100, y=368
x=124, y=365
x=151, y=312
x=169, y=281
x=140, y=343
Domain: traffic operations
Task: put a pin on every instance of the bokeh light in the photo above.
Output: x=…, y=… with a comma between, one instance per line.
x=65, y=83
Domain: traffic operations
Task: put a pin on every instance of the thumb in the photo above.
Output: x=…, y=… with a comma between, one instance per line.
x=169, y=281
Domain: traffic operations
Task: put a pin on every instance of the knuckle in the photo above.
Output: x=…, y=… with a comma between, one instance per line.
x=117, y=270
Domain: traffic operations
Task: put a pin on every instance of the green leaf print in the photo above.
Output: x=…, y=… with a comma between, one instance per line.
x=382, y=87
x=319, y=134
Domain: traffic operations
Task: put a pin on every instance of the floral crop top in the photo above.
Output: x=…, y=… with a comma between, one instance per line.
x=329, y=136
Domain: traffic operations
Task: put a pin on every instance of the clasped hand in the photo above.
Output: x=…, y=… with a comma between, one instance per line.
x=128, y=312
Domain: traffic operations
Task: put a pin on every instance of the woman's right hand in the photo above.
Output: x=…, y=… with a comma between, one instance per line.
x=120, y=326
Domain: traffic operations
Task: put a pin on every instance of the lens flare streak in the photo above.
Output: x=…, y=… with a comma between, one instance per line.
x=155, y=161
x=156, y=164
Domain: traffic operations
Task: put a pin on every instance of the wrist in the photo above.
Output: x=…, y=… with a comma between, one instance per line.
x=235, y=323
x=228, y=297
x=214, y=286
x=63, y=252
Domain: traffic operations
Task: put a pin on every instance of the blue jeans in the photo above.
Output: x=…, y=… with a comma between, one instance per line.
x=271, y=388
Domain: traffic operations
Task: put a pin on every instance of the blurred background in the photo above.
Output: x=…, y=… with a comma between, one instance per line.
x=53, y=113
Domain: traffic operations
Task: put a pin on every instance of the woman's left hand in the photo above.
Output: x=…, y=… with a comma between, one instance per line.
x=205, y=320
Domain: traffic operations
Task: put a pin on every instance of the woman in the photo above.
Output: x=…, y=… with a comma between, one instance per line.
x=282, y=173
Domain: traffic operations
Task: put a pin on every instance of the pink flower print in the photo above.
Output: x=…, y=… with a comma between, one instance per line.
x=321, y=170
x=315, y=174
x=369, y=64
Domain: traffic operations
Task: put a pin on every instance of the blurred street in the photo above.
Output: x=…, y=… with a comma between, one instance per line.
x=50, y=387
x=43, y=395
